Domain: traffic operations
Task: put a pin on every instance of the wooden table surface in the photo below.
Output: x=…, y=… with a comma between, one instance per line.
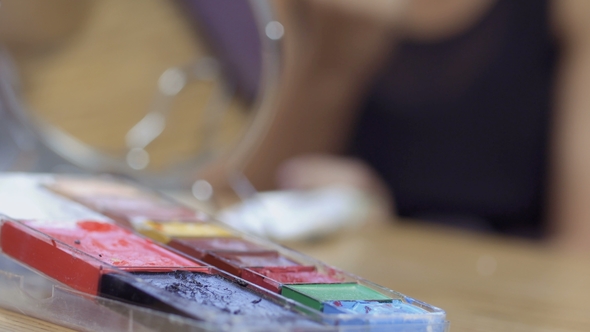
x=485, y=283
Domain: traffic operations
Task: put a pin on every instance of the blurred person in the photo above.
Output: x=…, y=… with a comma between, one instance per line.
x=465, y=112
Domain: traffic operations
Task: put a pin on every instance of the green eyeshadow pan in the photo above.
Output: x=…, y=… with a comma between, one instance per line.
x=314, y=295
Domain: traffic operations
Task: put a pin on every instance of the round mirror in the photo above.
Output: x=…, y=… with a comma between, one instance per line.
x=154, y=89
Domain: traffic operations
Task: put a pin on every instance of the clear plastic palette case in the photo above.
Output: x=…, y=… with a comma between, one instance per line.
x=188, y=273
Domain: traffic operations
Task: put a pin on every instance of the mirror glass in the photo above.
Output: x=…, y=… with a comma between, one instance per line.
x=153, y=88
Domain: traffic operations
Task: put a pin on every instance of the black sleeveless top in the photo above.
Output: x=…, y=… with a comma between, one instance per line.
x=459, y=129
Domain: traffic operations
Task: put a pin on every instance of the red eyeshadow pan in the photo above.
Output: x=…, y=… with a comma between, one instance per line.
x=234, y=262
x=273, y=278
x=78, y=254
x=49, y=257
x=115, y=245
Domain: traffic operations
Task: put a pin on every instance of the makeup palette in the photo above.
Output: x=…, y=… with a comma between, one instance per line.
x=162, y=256
x=104, y=259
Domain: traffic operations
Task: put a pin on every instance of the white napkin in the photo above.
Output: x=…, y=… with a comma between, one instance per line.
x=297, y=215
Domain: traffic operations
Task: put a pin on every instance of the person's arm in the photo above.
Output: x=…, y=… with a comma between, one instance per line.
x=570, y=196
x=332, y=49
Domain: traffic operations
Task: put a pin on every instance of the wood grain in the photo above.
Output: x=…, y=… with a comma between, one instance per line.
x=485, y=283
x=13, y=322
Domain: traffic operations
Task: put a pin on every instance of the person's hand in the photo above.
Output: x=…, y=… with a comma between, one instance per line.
x=338, y=37
x=331, y=50
x=310, y=172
